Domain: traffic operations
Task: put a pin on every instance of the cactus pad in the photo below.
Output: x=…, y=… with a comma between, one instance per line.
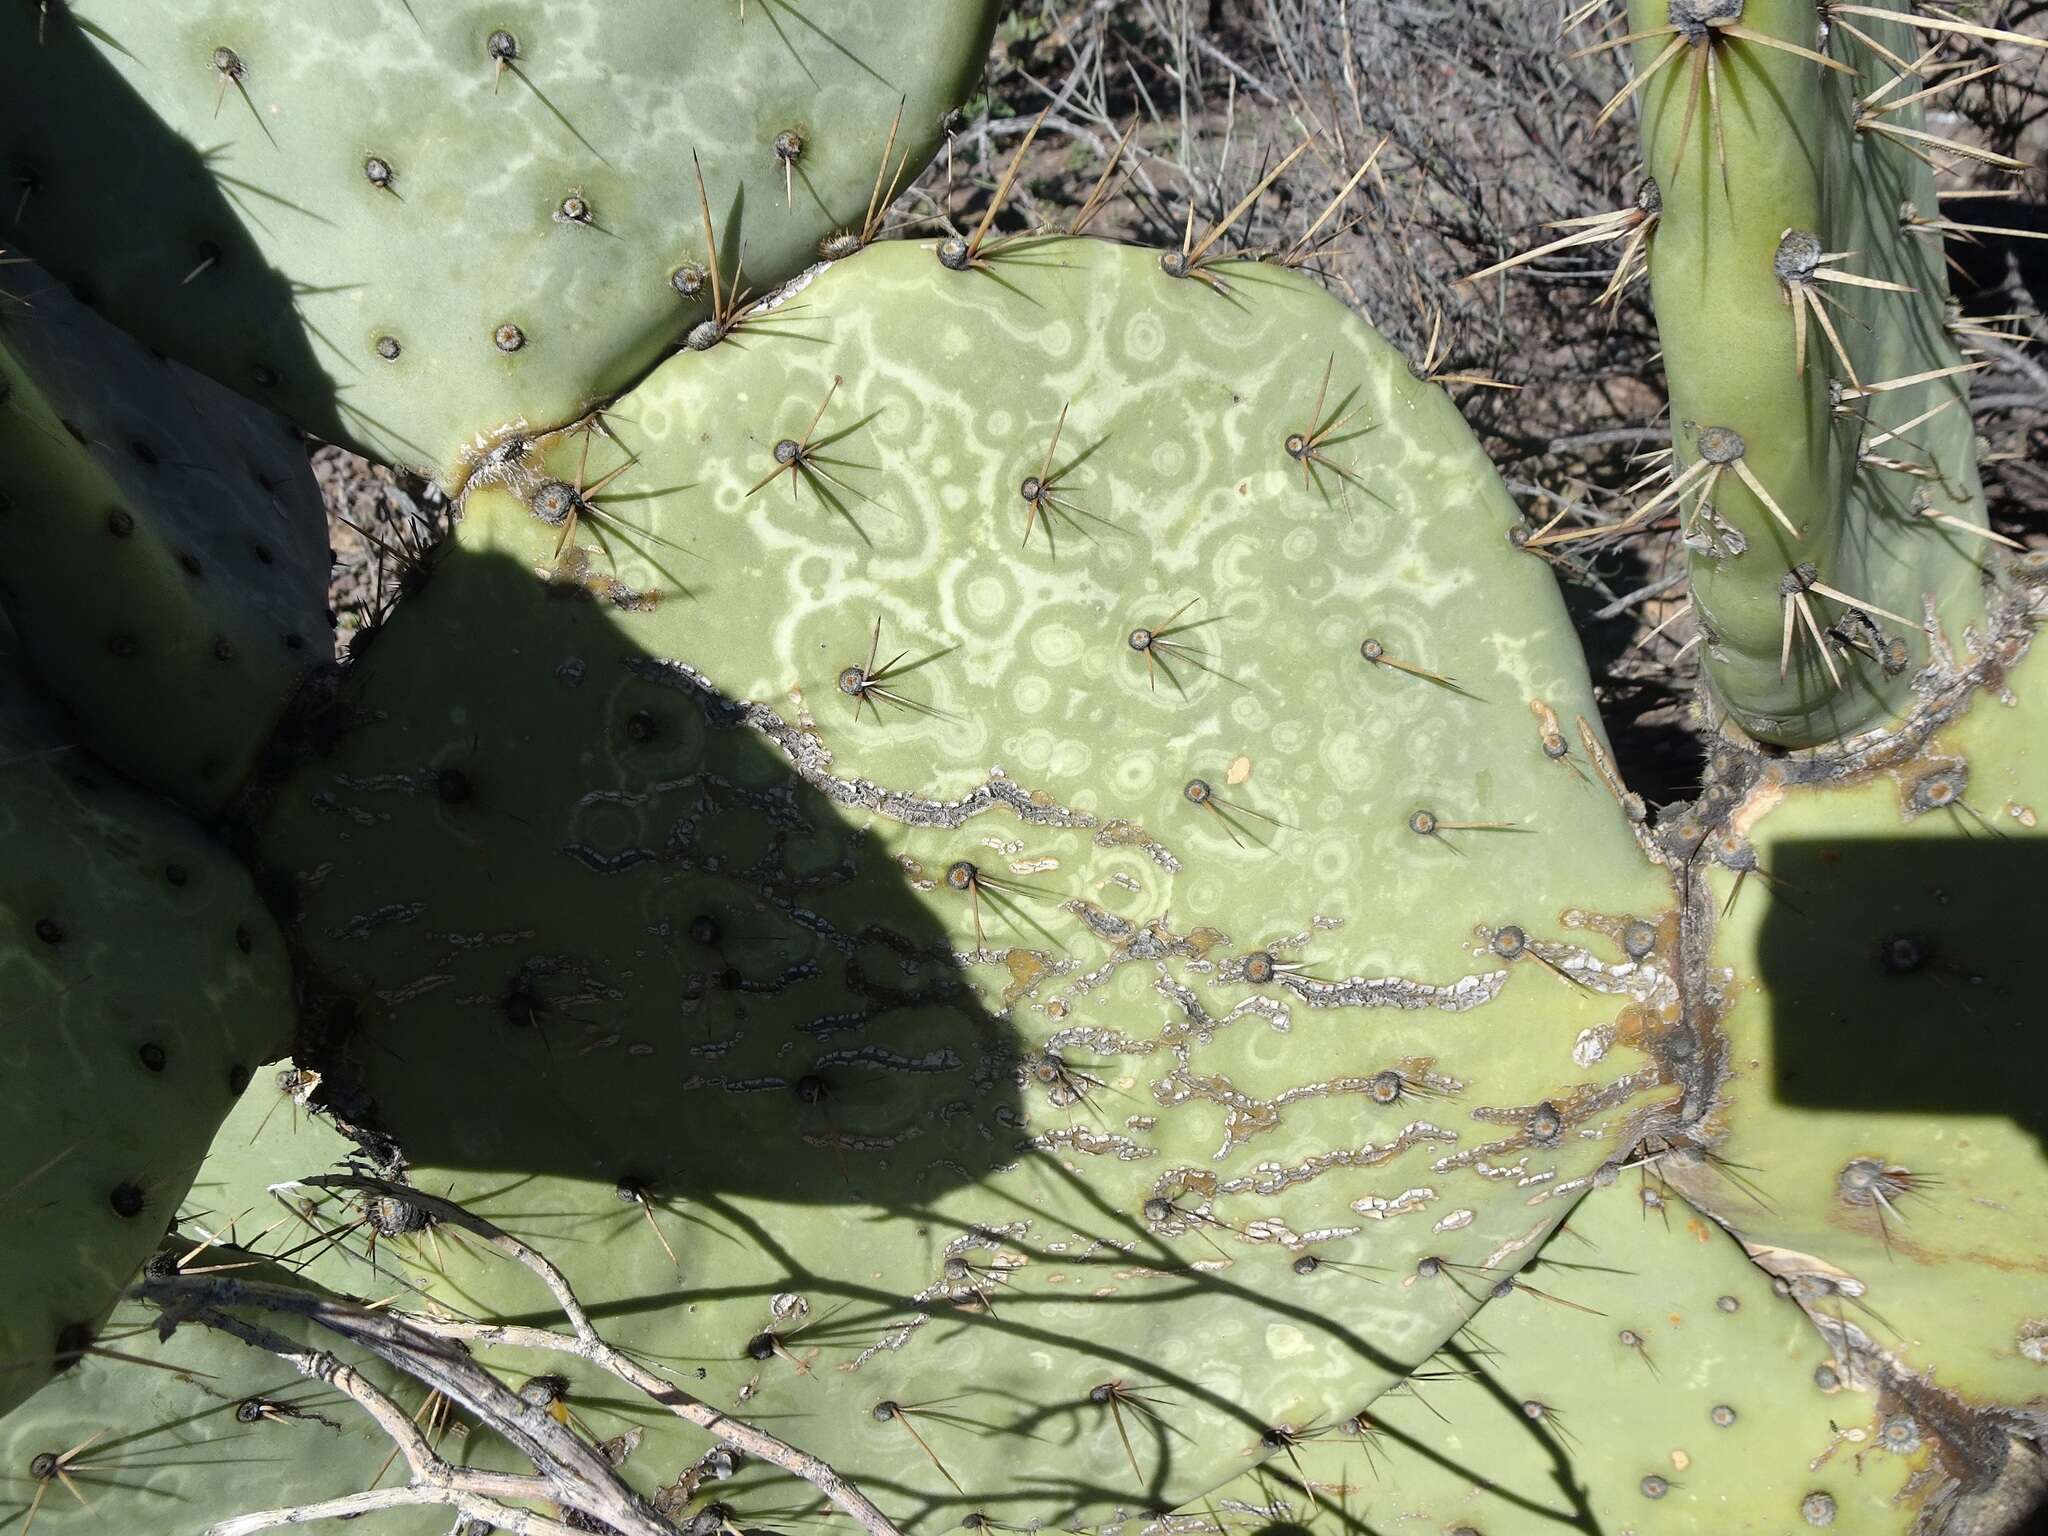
x=189, y=1430
x=140, y=981
x=415, y=227
x=1642, y=1376
x=1879, y=1142
x=1825, y=480
x=1207, y=959
x=164, y=550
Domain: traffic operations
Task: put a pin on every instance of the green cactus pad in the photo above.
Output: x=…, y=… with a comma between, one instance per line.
x=1643, y=1377
x=1737, y=279
x=194, y=1429
x=140, y=981
x=647, y=938
x=417, y=227
x=1883, y=1039
x=162, y=548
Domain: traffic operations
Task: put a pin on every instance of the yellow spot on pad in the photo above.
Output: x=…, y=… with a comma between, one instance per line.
x=1239, y=770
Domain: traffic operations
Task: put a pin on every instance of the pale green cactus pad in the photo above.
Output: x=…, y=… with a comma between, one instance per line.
x=140, y=981
x=415, y=227
x=1880, y=1143
x=1643, y=1376
x=190, y=517
x=1795, y=290
x=919, y=1059
x=190, y=1430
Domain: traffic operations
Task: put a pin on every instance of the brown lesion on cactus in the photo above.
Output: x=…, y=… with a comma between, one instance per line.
x=1270, y=1179
x=1245, y=1115
x=1633, y=226
x=1704, y=28
x=1103, y=1143
x=811, y=760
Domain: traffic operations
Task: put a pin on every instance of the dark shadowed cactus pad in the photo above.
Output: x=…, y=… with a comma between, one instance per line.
x=140, y=983
x=1220, y=1010
x=163, y=553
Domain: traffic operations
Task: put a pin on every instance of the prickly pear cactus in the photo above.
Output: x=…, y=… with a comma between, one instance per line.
x=1845, y=902
x=417, y=227
x=191, y=518
x=176, y=1434
x=1872, y=1137
x=1135, y=1006
x=1825, y=480
x=140, y=982
x=1641, y=1375
x=1008, y=861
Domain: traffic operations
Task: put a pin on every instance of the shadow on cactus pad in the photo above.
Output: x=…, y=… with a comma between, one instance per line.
x=766, y=995
x=1901, y=977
